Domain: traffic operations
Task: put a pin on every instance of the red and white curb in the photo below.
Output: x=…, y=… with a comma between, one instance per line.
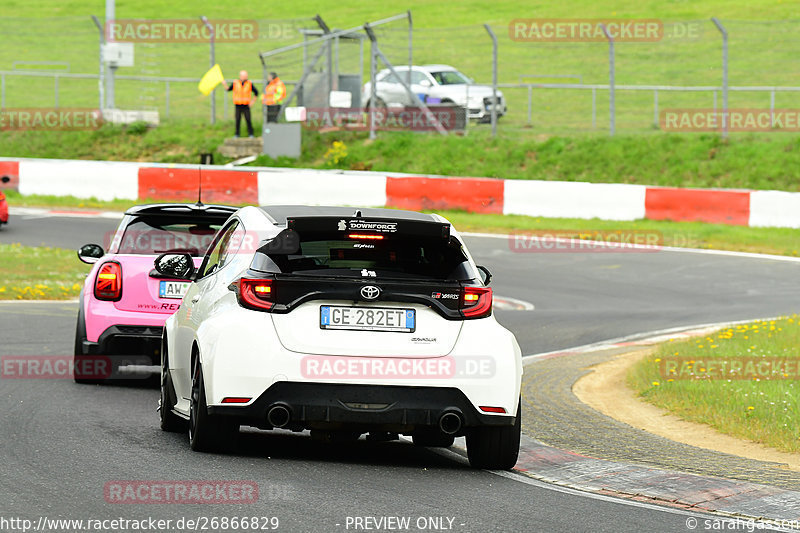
x=107, y=180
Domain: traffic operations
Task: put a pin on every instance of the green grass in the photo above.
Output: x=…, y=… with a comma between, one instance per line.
x=40, y=273
x=68, y=202
x=703, y=160
x=179, y=142
x=447, y=32
x=762, y=408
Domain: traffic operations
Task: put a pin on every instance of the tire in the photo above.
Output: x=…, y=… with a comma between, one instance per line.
x=495, y=447
x=79, y=356
x=169, y=420
x=433, y=439
x=206, y=433
x=379, y=103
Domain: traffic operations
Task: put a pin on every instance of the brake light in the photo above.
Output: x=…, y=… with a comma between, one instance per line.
x=476, y=302
x=256, y=293
x=365, y=236
x=108, y=285
x=490, y=409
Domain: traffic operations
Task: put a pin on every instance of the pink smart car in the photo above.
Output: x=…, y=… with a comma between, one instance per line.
x=124, y=301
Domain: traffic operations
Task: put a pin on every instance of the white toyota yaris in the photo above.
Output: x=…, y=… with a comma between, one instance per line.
x=341, y=321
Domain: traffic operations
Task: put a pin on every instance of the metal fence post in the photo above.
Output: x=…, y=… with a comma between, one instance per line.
x=594, y=108
x=166, y=112
x=724, y=33
x=111, y=70
x=212, y=63
x=410, y=46
x=772, y=108
x=494, y=81
x=530, y=105
x=101, y=80
x=611, y=103
x=373, y=59
x=655, y=108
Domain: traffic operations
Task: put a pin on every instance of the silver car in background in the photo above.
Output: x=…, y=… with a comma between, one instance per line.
x=434, y=84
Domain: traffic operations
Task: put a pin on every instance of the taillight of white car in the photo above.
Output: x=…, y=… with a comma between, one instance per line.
x=476, y=302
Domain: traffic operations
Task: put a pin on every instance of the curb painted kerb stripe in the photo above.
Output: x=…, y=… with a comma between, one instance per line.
x=107, y=180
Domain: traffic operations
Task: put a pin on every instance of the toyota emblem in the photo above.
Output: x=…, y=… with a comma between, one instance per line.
x=370, y=292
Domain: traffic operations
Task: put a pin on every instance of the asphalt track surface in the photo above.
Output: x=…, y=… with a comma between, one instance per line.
x=60, y=443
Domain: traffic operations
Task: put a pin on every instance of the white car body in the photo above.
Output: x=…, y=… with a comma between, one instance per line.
x=426, y=82
x=261, y=359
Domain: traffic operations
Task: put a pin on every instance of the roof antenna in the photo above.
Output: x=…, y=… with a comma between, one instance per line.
x=199, y=187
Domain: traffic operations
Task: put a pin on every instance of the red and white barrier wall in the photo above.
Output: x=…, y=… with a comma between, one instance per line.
x=107, y=180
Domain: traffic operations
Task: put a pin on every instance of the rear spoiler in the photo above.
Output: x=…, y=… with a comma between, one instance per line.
x=371, y=225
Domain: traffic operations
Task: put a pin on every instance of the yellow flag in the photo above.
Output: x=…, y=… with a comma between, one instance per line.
x=211, y=79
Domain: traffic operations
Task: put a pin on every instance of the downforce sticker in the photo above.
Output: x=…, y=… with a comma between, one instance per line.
x=367, y=225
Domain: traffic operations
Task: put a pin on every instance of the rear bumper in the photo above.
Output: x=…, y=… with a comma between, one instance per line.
x=126, y=340
x=332, y=406
x=102, y=316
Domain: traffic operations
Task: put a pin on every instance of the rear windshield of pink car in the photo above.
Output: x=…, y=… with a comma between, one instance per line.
x=156, y=237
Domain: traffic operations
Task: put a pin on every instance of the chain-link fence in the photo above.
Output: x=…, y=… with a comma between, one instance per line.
x=549, y=86
x=55, y=62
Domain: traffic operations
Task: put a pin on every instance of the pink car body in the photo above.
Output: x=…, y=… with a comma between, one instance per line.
x=124, y=301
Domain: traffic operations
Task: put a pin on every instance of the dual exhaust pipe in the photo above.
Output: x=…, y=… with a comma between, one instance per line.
x=279, y=415
x=450, y=422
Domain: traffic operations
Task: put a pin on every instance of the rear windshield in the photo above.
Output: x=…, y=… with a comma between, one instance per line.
x=391, y=257
x=156, y=235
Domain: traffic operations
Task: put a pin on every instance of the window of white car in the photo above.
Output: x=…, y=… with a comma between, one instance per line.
x=450, y=77
x=220, y=253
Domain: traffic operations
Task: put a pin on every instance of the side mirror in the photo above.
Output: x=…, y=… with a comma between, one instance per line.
x=176, y=266
x=426, y=83
x=486, y=276
x=90, y=253
x=5, y=179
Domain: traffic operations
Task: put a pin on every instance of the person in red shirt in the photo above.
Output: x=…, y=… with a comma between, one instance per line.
x=243, y=95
